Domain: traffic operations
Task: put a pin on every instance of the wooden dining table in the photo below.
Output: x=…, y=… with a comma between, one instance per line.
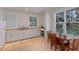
x=69, y=39
x=62, y=42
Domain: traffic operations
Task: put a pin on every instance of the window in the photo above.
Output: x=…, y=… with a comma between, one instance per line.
x=60, y=17
x=70, y=23
x=59, y=28
x=59, y=22
x=73, y=28
x=72, y=15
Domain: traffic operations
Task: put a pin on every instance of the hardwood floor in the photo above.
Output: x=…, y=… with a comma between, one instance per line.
x=34, y=44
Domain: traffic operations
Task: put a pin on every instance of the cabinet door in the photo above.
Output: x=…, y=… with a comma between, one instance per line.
x=20, y=35
x=14, y=36
x=38, y=32
x=33, y=32
x=11, y=36
x=24, y=34
x=8, y=36
x=27, y=33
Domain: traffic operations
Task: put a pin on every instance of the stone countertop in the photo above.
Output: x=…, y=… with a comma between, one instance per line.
x=12, y=30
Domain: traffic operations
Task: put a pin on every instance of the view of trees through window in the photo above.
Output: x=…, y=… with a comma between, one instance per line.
x=73, y=28
x=72, y=22
x=59, y=27
x=59, y=22
x=60, y=17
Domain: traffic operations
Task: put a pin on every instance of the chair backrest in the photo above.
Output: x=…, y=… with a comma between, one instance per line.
x=53, y=37
x=64, y=36
x=49, y=35
x=75, y=44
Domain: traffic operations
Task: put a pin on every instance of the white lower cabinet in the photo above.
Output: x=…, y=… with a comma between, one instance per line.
x=8, y=36
x=22, y=34
x=26, y=34
x=14, y=36
x=11, y=36
x=36, y=32
x=19, y=35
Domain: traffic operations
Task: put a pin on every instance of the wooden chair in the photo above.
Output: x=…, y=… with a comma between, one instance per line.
x=58, y=43
x=65, y=37
x=65, y=44
x=49, y=35
x=62, y=43
x=53, y=40
x=74, y=45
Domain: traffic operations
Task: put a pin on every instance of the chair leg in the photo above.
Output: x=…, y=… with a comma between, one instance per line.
x=55, y=47
x=77, y=48
x=51, y=45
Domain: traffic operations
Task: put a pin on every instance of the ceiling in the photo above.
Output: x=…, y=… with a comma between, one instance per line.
x=32, y=9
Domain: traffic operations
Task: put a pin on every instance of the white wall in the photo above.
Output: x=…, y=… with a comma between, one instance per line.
x=10, y=18
x=22, y=18
x=1, y=14
x=53, y=17
x=46, y=20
